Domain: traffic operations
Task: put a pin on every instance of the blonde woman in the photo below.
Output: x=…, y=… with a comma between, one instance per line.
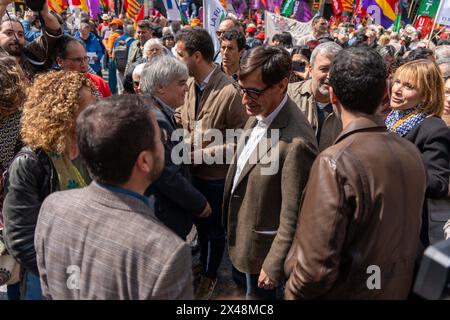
x=417, y=103
x=48, y=163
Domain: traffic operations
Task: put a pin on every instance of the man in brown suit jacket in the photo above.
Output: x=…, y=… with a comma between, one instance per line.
x=104, y=241
x=268, y=173
x=212, y=107
x=359, y=224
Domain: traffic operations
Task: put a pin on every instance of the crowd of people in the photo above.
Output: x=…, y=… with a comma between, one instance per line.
x=308, y=160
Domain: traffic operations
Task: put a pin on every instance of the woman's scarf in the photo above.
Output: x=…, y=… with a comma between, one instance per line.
x=402, y=121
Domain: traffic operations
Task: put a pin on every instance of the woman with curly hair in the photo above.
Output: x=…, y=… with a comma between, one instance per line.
x=12, y=97
x=49, y=162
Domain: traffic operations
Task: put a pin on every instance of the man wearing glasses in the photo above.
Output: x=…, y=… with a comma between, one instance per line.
x=261, y=205
x=71, y=56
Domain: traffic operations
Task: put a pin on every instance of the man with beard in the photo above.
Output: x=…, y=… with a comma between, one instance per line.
x=36, y=56
x=108, y=228
x=313, y=98
x=319, y=29
x=144, y=33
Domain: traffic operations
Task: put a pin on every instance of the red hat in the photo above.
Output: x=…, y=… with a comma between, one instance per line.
x=260, y=36
x=250, y=29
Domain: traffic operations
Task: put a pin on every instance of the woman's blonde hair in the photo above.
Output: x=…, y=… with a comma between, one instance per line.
x=12, y=93
x=49, y=112
x=426, y=77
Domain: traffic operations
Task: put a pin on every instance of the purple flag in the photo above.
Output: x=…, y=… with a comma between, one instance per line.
x=255, y=4
x=239, y=6
x=270, y=5
x=383, y=15
x=302, y=11
x=200, y=14
x=94, y=8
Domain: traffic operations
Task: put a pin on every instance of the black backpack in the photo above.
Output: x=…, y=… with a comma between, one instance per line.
x=120, y=53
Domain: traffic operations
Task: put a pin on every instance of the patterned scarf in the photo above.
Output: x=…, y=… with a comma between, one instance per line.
x=68, y=175
x=9, y=133
x=402, y=121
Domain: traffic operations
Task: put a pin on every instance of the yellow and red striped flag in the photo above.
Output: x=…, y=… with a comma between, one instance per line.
x=131, y=7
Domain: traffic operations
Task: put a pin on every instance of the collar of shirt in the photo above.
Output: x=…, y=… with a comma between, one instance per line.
x=125, y=191
x=165, y=106
x=267, y=121
x=205, y=82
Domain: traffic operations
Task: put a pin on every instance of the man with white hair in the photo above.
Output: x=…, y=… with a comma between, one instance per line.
x=165, y=80
x=151, y=49
x=313, y=98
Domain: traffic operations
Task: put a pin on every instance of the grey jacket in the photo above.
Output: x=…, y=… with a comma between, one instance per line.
x=94, y=243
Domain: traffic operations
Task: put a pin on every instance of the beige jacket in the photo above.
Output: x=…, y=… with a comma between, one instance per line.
x=220, y=108
x=301, y=94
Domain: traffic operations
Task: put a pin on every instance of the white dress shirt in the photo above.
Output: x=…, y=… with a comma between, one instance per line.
x=255, y=136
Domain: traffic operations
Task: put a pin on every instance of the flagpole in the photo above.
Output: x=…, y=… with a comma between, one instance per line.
x=410, y=8
x=434, y=22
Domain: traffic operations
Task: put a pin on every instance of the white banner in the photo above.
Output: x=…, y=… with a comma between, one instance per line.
x=213, y=14
x=173, y=12
x=443, y=15
x=277, y=24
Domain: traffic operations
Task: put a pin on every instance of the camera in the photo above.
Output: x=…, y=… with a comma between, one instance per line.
x=35, y=5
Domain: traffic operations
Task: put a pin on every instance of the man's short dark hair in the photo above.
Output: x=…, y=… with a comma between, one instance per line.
x=111, y=134
x=6, y=18
x=144, y=24
x=275, y=64
x=234, y=35
x=358, y=78
x=197, y=39
x=61, y=51
x=419, y=53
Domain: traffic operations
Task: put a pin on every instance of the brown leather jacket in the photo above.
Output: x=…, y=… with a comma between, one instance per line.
x=362, y=208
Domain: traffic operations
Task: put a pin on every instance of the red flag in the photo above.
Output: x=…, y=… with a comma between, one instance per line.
x=277, y=11
x=424, y=24
x=140, y=15
x=337, y=7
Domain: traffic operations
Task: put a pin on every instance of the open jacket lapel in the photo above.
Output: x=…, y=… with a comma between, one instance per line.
x=265, y=144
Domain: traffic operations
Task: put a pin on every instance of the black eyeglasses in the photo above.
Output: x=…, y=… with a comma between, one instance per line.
x=81, y=60
x=252, y=93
